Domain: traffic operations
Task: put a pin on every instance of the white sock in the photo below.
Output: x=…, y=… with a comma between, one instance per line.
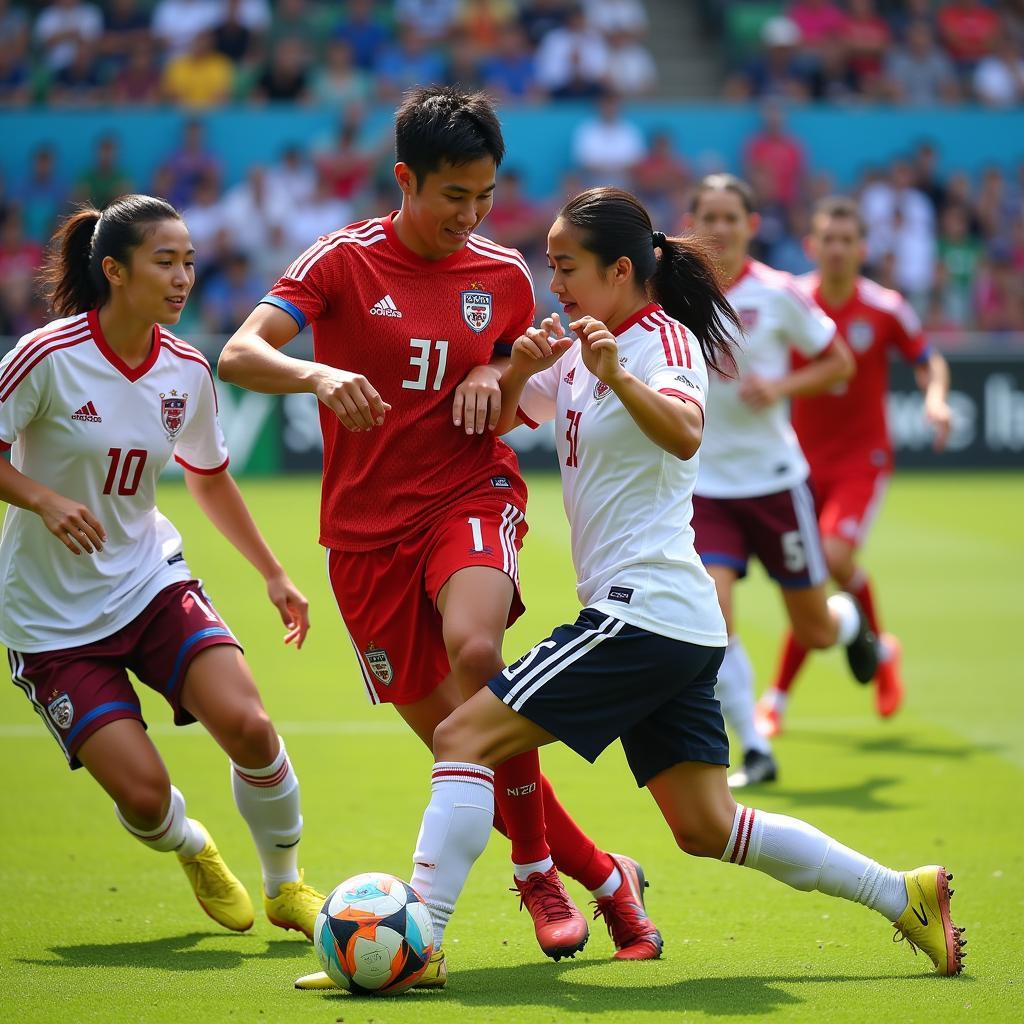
x=175, y=832
x=456, y=826
x=847, y=617
x=799, y=855
x=268, y=799
x=735, y=692
x=610, y=884
x=523, y=871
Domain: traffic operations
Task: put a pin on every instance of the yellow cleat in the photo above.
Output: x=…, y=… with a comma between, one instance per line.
x=219, y=893
x=926, y=923
x=434, y=976
x=295, y=907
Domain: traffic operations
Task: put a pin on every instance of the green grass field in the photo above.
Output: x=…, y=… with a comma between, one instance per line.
x=96, y=928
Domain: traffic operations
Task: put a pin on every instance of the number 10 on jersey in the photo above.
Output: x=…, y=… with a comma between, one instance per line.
x=429, y=351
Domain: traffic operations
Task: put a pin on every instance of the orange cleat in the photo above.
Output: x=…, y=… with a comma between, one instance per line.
x=888, y=684
x=624, y=912
x=561, y=929
x=768, y=717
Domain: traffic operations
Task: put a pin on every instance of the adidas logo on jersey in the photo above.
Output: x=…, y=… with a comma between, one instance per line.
x=570, y=376
x=88, y=413
x=385, y=307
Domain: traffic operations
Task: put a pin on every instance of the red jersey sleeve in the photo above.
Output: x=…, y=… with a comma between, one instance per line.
x=907, y=334
x=303, y=289
x=521, y=317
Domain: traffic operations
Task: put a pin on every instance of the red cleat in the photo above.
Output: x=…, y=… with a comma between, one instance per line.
x=632, y=931
x=561, y=929
x=888, y=685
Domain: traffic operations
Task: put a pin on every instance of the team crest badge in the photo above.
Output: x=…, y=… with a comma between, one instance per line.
x=379, y=663
x=62, y=711
x=860, y=334
x=172, y=412
x=477, y=307
x=600, y=390
x=748, y=318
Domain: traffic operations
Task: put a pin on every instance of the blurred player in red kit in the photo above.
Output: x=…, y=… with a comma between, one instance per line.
x=844, y=433
x=423, y=509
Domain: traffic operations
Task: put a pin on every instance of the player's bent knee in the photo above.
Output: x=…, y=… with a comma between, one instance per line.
x=816, y=635
x=457, y=740
x=251, y=738
x=477, y=657
x=697, y=842
x=145, y=799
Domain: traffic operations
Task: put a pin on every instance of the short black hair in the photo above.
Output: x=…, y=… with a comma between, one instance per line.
x=843, y=207
x=722, y=182
x=439, y=124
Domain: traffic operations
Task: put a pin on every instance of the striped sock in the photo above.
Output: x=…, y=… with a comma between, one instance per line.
x=268, y=799
x=799, y=855
x=176, y=832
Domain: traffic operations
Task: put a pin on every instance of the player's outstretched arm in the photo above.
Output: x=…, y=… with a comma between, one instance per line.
x=222, y=503
x=828, y=369
x=932, y=378
x=251, y=360
x=71, y=522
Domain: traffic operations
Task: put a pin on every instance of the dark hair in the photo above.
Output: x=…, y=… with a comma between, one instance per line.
x=440, y=123
x=724, y=183
x=73, y=273
x=613, y=223
x=840, y=206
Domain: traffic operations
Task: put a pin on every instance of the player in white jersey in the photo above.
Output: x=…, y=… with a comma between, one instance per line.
x=752, y=496
x=639, y=664
x=93, y=581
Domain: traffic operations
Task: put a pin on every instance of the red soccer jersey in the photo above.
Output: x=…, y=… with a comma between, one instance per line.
x=414, y=328
x=846, y=432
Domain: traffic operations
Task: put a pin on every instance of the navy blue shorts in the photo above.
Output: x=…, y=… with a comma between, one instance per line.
x=602, y=679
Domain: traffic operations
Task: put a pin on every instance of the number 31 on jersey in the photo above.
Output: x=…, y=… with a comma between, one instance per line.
x=428, y=352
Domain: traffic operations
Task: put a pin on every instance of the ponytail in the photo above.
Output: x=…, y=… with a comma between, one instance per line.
x=613, y=223
x=72, y=275
x=687, y=287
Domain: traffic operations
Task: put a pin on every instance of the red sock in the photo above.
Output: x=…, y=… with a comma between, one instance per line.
x=790, y=662
x=573, y=852
x=860, y=587
x=520, y=803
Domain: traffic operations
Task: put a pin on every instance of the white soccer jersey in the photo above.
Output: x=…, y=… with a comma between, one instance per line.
x=629, y=501
x=748, y=452
x=88, y=426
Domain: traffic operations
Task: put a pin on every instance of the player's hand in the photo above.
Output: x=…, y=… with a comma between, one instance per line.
x=758, y=392
x=292, y=606
x=540, y=347
x=478, y=400
x=72, y=524
x=599, y=349
x=352, y=398
x=940, y=417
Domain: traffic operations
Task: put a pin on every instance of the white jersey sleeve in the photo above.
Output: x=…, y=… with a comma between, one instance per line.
x=201, y=447
x=676, y=367
x=804, y=324
x=22, y=395
x=537, y=404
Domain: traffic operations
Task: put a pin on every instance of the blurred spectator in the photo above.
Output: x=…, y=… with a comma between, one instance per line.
x=41, y=195
x=515, y=219
x=344, y=165
x=614, y=16
x=572, y=61
x=248, y=213
x=487, y=21
x=232, y=36
x=292, y=180
x=539, y=17
x=832, y=78
x=920, y=73
x=788, y=253
x=177, y=22
x=607, y=148
x=20, y=261
x=999, y=77
x=125, y=29
x=959, y=255
x=139, y=81
x=192, y=162
x=286, y=77
x=306, y=20
x=409, y=61
x=775, y=157
x=463, y=65
x=272, y=259
x=994, y=206
x=105, y=180
x=322, y=213
x=230, y=295
x=510, y=71
x=999, y=300
x=902, y=15
x=632, y=71
x=969, y=29
x=14, y=26
x=15, y=76
x=364, y=32
x=205, y=219
x=78, y=84
x=63, y=28
x=338, y=82
x=867, y=38
x=819, y=22
x=432, y=19
x=777, y=72
x=201, y=77
x=926, y=174
x=661, y=179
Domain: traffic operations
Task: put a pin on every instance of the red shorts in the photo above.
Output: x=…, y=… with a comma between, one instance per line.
x=387, y=598
x=78, y=690
x=781, y=529
x=847, y=505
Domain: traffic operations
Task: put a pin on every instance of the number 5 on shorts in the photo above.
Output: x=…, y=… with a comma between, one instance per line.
x=794, y=557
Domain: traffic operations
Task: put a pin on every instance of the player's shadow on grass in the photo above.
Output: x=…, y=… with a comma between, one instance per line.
x=864, y=795
x=174, y=953
x=911, y=746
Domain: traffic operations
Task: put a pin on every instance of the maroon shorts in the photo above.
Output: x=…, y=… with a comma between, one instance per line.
x=78, y=690
x=780, y=529
x=387, y=598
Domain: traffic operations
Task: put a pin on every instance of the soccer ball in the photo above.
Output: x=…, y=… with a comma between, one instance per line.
x=374, y=934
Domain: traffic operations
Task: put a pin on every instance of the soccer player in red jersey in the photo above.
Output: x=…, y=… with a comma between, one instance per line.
x=844, y=433
x=423, y=506
x=93, y=406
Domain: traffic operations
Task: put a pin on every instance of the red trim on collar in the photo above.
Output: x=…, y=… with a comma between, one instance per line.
x=651, y=307
x=132, y=373
x=748, y=266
